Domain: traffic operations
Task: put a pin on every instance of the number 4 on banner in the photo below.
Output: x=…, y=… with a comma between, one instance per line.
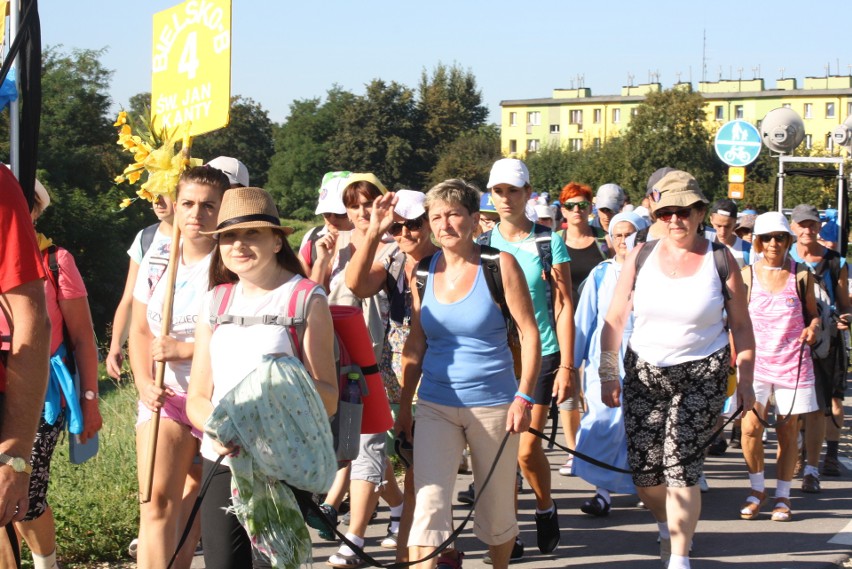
x=188, y=62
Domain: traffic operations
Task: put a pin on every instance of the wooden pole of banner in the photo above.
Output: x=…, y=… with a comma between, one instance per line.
x=160, y=368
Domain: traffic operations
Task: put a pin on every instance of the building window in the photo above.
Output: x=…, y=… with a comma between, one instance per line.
x=829, y=142
x=513, y=119
x=634, y=111
x=848, y=109
x=786, y=105
x=596, y=143
x=533, y=145
x=809, y=141
x=616, y=116
x=829, y=111
x=534, y=118
x=596, y=116
x=575, y=117
x=513, y=147
x=719, y=112
x=738, y=111
x=809, y=110
x=576, y=144
x=554, y=129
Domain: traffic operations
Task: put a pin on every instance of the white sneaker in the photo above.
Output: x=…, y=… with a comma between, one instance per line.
x=391, y=539
x=702, y=484
x=565, y=469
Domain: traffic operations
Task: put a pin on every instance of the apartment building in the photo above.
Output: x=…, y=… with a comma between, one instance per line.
x=576, y=119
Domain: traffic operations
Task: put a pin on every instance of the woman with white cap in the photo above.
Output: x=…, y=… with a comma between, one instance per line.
x=402, y=215
x=176, y=476
x=549, y=283
x=601, y=433
x=784, y=315
x=252, y=253
x=677, y=361
x=68, y=307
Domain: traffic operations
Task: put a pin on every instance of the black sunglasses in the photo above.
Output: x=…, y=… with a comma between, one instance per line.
x=767, y=237
x=570, y=206
x=411, y=225
x=667, y=214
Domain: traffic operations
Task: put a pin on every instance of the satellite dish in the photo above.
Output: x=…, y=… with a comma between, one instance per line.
x=782, y=130
x=842, y=135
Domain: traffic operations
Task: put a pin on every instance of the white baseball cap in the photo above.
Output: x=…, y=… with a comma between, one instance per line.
x=331, y=193
x=409, y=204
x=509, y=171
x=235, y=170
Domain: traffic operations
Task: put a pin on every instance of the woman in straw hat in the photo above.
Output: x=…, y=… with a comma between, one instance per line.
x=676, y=365
x=176, y=478
x=253, y=254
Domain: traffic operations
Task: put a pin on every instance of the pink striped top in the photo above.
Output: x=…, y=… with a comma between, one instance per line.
x=778, y=322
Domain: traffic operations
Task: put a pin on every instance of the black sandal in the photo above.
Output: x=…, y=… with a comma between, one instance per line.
x=597, y=507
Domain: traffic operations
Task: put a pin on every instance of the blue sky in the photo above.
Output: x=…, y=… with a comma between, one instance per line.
x=284, y=50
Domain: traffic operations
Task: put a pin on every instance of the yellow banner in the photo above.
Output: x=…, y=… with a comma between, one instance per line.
x=191, y=72
x=4, y=11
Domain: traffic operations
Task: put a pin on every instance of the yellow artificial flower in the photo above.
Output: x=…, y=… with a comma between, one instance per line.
x=125, y=203
x=122, y=119
x=145, y=194
x=133, y=177
x=119, y=179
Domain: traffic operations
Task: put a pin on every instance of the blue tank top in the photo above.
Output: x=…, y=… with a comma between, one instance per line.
x=467, y=362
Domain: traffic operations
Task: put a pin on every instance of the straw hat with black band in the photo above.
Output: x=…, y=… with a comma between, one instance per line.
x=243, y=208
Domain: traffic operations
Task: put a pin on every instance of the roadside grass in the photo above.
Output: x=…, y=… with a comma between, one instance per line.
x=96, y=503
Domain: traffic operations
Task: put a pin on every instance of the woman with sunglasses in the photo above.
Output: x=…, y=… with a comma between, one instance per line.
x=369, y=476
x=785, y=324
x=402, y=216
x=587, y=246
x=677, y=361
x=601, y=433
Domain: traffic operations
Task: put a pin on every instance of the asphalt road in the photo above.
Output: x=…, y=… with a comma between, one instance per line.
x=819, y=536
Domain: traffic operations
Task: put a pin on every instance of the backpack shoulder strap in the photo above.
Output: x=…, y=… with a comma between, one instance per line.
x=313, y=237
x=543, y=236
x=297, y=313
x=720, y=259
x=221, y=301
x=421, y=273
x=490, y=260
x=803, y=278
x=642, y=256
x=147, y=237
x=53, y=265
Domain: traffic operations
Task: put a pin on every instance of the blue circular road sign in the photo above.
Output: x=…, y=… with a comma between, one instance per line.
x=738, y=143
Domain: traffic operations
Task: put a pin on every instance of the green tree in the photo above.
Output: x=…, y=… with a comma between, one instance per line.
x=302, y=151
x=469, y=157
x=552, y=167
x=378, y=133
x=248, y=138
x=449, y=104
x=668, y=130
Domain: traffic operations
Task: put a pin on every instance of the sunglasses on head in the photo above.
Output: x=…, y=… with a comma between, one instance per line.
x=667, y=214
x=778, y=237
x=570, y=206
x=410, y=224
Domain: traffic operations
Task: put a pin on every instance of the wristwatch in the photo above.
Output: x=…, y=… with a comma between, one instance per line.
x=17, y=463
x=89, y=395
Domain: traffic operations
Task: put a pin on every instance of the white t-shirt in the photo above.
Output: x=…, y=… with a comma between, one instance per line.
x=235, y=351
x=135, y=252
x=191, y=283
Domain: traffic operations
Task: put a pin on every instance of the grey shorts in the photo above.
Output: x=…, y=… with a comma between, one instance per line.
x=370, y=464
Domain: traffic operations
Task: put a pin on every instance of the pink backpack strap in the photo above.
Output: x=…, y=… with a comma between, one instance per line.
x=297, y=312
x=221, y=301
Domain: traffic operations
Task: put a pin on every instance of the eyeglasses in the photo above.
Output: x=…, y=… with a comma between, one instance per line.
x=487, y=220
x=570, y=206
x=334, y=215
x=778, y=237
x=411, y=225
x=666, y=215
x=621, y=236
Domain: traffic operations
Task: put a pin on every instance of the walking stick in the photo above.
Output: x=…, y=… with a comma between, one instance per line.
x=160, y=368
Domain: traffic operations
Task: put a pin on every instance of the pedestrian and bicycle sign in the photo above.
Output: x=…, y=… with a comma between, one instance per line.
x=738, y=143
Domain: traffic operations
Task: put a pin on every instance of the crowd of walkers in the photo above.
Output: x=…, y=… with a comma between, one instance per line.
x=643, y=329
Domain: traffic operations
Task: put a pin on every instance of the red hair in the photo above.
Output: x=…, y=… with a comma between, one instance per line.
x=573, y=189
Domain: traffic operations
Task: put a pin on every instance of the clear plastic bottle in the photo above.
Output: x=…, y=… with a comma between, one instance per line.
x=353, y=388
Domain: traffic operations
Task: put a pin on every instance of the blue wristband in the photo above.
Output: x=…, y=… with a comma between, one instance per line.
x=525, y=397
